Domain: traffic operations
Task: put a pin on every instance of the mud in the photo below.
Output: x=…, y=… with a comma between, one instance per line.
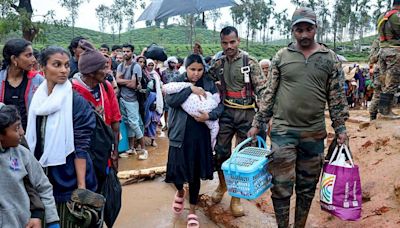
x=376, y=151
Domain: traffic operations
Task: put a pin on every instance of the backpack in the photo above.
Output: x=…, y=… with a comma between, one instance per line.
x=383, y=22
x=101, y=144
x=141, y=94
x=248, y=87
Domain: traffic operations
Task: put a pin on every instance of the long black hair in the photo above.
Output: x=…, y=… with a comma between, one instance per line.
x=13, y=47
x=49, y=51
x=8, y=116
x=74, y=44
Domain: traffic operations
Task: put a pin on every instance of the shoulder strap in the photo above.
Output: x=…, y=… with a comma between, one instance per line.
x=132, y=67
x=245, y=60
x=248, y=85
x=382, y=23
x=222, y=79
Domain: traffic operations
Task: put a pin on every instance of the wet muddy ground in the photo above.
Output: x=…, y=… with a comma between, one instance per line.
x=157, y=156
x=148, y=204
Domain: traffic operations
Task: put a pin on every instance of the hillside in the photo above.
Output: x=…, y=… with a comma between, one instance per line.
x=174, y=39
x=171, y=35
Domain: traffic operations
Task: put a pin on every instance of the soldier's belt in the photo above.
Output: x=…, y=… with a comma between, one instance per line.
x=239, y=103
x=236, y=95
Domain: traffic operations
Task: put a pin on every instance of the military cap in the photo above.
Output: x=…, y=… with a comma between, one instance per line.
x=304, y=14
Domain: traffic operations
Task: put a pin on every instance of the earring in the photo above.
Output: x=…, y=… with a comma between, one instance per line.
x=16, y=64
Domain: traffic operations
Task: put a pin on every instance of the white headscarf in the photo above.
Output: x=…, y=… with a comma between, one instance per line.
x=59, y=132
x=170, y=59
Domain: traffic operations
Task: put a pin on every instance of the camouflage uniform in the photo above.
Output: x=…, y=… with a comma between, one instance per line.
x=389, y=57
x=235, y=121
x=377, y=79
x=389, y=62
x=296, y=95
x=238, y=112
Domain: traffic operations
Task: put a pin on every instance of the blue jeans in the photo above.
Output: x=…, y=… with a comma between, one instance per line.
x=130, y=112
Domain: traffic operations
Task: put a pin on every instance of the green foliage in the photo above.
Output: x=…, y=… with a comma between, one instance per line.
x=174, y=40
x=143, y=36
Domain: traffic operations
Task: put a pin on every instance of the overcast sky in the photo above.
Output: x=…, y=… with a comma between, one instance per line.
x=87, y=14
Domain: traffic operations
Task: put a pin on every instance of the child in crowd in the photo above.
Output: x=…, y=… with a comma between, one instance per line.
x=16, y=162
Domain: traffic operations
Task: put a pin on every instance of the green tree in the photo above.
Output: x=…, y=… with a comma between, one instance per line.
x=341, y=17
x=191, y=20
x=124, y=11
x=364, y=20
x=73, y=7
x=17, y=16
x=148, y=23
x=215, y=16
x=162, y=21
x=102, y=12
x=283, y=24
x=267, y=11
x=248, y=11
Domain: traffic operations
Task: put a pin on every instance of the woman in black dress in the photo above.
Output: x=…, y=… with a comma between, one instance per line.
x=190, y=156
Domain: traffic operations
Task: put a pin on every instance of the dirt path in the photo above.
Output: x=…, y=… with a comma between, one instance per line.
x=376, y=150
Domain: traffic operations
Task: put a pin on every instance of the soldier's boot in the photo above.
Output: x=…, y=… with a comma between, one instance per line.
x=236, y=207
x=385, y=106
x=303, y=205
x=218, y=193
x=282, y=209
x=372, y=116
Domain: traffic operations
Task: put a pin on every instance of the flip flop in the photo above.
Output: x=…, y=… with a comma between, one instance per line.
x=193, y=221
x=178, y=204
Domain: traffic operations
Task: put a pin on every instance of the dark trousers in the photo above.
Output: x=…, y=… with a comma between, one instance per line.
x=194, y=189
x=297, y=162
x=232, y=122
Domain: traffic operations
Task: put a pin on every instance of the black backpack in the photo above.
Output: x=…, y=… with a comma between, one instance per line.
x=141, y=94
x=101, y=146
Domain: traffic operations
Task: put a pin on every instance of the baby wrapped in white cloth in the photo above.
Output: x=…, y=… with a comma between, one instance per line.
x=194, y=105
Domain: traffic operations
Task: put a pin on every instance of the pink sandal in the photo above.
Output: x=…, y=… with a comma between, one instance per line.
x=178, y=204
x=193, y=221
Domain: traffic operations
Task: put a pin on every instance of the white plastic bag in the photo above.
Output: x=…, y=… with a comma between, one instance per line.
x=340, y=160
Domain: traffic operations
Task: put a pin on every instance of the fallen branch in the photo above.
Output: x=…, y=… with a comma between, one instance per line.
x=135, y=176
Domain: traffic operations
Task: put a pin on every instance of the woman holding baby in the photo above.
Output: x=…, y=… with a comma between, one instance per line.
x=190, y=156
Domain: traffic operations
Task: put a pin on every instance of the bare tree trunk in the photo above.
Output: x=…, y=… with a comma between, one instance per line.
x=215, y=29
x=247, y=36
x=334, y=36
x=191, y=31
x=264, y=28
x=24, y=9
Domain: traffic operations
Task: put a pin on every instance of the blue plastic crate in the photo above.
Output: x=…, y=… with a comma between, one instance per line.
x=246, y=172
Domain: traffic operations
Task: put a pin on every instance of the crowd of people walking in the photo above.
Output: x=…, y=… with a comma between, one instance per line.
x=61, y=113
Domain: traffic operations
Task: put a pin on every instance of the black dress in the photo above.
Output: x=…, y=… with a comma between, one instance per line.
x=194, y=160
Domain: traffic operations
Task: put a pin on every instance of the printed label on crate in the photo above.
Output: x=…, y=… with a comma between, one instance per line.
x=327, y=184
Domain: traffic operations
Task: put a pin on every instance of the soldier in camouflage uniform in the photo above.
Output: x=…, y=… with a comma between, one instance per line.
x=378, y=79
x=303, y=77
x=238, y=92
x=389, y=57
